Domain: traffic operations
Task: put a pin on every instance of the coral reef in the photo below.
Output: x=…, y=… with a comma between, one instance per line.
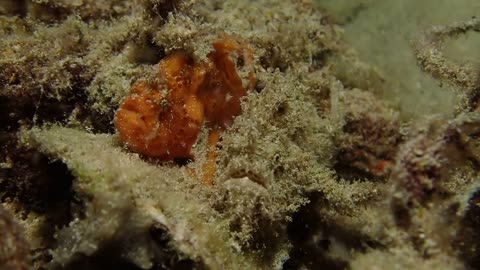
x=303, y=164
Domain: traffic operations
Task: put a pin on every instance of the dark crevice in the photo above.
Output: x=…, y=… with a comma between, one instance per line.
x=306, y=251
x=468, y=238
x=313, y=237
x=16, y=111
x=13, y=7
x=161, y=8
x=102, y=122
x=145, y=51
x=107, y=258
x=352, y=174
x=37, y=184
x=168, y=258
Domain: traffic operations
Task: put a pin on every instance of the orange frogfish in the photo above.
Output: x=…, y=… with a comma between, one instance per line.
x=162, y=119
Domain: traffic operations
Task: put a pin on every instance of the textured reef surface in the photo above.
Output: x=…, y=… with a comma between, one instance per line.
x=156, y=134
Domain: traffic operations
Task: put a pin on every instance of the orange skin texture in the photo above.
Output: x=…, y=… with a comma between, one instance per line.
x=209, y=166
x=162, y=127
x=162, y=120
x=223, y=91
x=222, y=94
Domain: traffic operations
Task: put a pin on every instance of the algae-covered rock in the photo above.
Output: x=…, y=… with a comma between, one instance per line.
x=126, y=200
